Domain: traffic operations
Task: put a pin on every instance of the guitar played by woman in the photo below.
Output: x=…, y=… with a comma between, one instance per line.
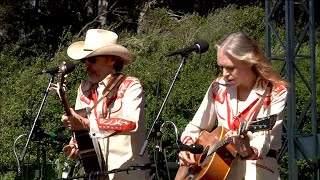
x=248, y=89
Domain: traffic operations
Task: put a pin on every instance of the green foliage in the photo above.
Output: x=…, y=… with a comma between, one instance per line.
x=8, y=176
x=166, y=33
x=305, y=170
x=21, y=92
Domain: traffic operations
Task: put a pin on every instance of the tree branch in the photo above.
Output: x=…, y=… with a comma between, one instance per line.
x=145, y=9
x=91, y=22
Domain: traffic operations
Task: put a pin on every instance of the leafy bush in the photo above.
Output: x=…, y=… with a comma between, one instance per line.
x=21, y=91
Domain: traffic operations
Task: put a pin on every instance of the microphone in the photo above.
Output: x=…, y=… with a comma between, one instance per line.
x=193, y=148
x=169, y=165
x=66, y=66
x=200, y=46
x=56, y=136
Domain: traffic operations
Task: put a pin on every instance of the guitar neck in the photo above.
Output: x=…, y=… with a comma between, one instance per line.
x=65, y=102
x=218, y=145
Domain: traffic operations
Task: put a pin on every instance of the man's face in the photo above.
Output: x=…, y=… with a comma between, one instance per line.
x=98, y=67
x=234, y=71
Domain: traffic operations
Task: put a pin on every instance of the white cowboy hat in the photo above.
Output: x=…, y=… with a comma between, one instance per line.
x=99, y=42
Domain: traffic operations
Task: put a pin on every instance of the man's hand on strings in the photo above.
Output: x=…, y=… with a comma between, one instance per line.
x=71, y=150
x=76, y=120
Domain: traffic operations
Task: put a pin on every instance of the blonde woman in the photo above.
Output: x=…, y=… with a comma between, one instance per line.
x=248, y=90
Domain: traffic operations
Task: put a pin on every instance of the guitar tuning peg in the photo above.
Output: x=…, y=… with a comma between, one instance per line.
x=53, y=86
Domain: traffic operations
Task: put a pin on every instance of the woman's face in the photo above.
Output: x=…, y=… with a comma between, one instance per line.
x=234, y=71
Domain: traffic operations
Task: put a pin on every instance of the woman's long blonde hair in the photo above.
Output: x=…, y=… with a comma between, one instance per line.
x=242, y=47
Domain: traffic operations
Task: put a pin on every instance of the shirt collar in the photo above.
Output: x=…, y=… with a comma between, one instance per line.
x=106, y=80
x=88, y=86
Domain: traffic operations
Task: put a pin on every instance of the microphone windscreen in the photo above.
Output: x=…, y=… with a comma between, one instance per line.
x=203, y=45
x=67, y=67
x=196, y=148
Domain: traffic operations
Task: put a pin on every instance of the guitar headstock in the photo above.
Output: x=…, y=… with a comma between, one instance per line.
x=64, y=68
x=263, y=124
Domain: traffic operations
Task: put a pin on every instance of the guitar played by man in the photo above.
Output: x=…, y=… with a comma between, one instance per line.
x=247, y=90
x=111, y=105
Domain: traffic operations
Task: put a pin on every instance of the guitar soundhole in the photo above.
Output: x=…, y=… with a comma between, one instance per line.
x=204, y=154
x=226, y=154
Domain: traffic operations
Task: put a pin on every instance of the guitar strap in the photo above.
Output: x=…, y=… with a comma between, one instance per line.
x=112, y=86
x=266, y=91
x=246, y=124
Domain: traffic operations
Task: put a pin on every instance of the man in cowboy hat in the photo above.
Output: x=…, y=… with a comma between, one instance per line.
x=114, y=113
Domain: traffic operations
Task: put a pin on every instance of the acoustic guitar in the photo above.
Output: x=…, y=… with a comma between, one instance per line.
x=216, y=159
x=87, y=153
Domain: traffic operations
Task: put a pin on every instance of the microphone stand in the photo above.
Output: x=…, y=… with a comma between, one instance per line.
x=100, y=174
x=158, y=151
x=34, y=129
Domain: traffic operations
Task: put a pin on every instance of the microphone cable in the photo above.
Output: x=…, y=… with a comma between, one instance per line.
x=158, y=87
x=176, y=132
x=155, y=109
x=29, y=113
x=15, y=154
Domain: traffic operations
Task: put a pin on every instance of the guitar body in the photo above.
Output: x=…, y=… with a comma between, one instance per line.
x=88, y=155
x=217, y=157
x=215, y=166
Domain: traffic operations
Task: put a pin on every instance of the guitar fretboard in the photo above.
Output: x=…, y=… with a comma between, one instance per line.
x=213, y=148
